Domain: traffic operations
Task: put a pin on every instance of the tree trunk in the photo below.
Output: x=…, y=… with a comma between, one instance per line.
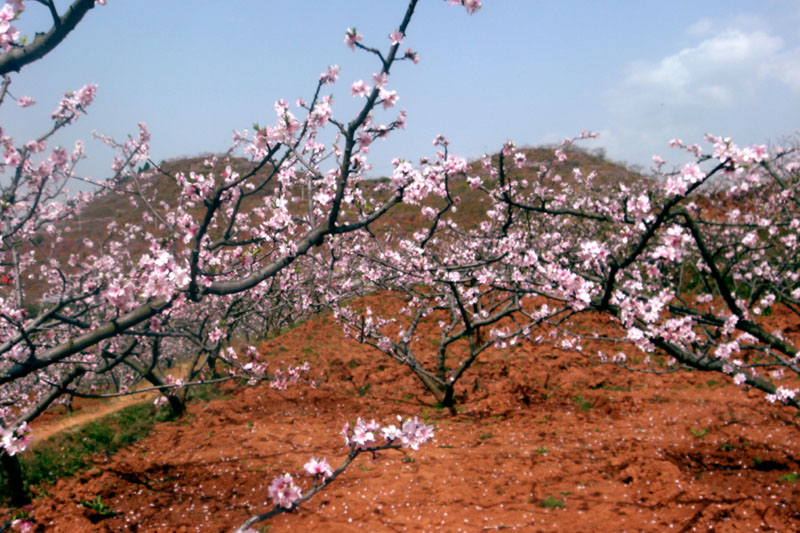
x=177, y=405
x=19, y=496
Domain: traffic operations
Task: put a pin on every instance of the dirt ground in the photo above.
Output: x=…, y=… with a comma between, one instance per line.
x=544, y=440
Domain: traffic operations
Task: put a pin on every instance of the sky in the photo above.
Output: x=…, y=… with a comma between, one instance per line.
x=529, y=71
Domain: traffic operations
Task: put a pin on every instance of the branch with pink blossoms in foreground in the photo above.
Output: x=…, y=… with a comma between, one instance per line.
x=365, y=436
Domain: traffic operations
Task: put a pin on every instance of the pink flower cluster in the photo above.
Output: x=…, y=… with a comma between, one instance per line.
x=283, y=491
x=293, y=374
x=8, y=33
x=411, y=433
x=471, y=6
x=74, y=102
x=365, y=435
x=15, y=440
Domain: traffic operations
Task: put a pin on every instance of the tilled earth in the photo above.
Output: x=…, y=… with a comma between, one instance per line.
x=543, y=440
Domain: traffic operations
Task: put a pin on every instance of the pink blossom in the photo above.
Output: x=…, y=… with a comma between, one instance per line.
x=415, y=433
x=7, y=14
x=15, y=440
x=359, y=88
x=692, y=173
x=25, y=101
x=58, y=157
x=391, y=433
x=396, y=37
x=12, y=157
x=388, y=98
x=351, y=37
x=161, y=400
x=751, y=239
x=283, y=491
x=330, y=75
x=412, y=55
x=316, y=467
x=22, y=525
x=470, y=5
x=364, y=434
x=216, y=334
x=379, y=79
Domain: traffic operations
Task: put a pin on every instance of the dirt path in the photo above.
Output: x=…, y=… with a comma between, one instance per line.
x=85, y=411
x=46, y=426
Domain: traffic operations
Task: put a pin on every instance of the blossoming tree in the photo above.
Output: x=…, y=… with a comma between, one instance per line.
x=196, y=271
x=693, y=264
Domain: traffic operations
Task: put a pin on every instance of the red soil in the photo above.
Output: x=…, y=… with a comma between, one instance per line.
x=676, y=452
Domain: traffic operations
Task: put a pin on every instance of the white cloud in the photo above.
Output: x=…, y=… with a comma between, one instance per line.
x=786, y=68
x=715, y=71
x=736, y=79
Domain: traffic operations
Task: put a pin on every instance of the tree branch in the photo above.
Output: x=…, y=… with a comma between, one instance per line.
x=44, y=43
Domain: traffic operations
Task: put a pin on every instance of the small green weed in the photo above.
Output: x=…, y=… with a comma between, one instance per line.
x=485, y=436
x=98, y=507
x=791, y=477
x=542, y=451
x=582, y=403
x=552, y=503
x=699, y=432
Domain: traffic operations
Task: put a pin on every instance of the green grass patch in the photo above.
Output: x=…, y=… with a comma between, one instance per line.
x=207, y=392
x=69, y=452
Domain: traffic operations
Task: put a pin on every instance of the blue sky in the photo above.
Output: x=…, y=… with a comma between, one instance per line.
x=531, y=71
